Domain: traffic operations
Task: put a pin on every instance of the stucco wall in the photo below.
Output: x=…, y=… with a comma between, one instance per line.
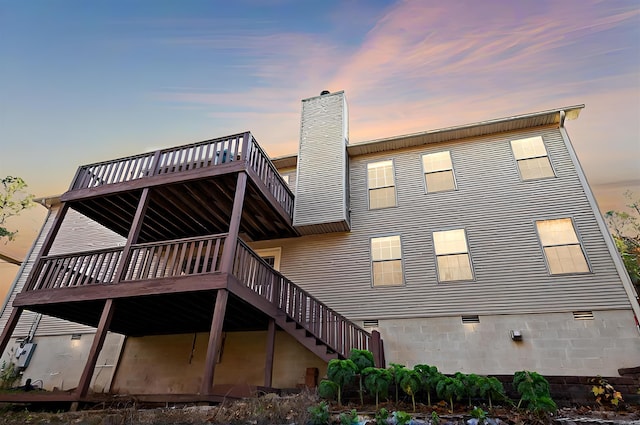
x=58, y=361
x=552, y=344
x=175, y=363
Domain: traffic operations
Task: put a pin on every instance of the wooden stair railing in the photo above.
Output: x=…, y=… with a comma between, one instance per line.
x=302, y=311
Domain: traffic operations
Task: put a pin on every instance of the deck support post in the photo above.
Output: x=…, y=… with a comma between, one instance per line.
x=229, y=250
x=271, y=344
x=96, y=346
x=9, y=327
x=377, y=349
x=215, y=340
x=46, y=246
x=134, y=232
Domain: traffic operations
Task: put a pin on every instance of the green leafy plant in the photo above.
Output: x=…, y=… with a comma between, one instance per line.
x=534, y=392
x=604, y=392
x=319, y=414
x=363, y=359
x=489, y=388
x=471, y=385
x=9, y=375
x=435, y=419
x=448, y=388
x=349, y=418
x=381, y=416
x=401, y=418
x=328, y=389
x=410, y=383
x=341, y=372
x=479, y=414
x=377, y=381
x=429, y=377
x=395, y=374
x=13, y=200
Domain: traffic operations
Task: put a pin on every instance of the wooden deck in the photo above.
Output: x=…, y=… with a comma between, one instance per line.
x=170, y=287
x=191, y=191
x=184, y=268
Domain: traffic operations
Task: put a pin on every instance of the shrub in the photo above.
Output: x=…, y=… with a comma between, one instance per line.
x=534, y=392
x=363, y=359
x=319, y=414
x=341, y=372
x=377, y=381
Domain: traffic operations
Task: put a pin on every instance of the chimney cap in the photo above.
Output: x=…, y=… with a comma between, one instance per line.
x=323, y=92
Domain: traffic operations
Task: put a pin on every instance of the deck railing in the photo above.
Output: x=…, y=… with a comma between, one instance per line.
x=201, y=255
x=180, y=257
x=241, y=147
x=65, y=271
x=324, y=323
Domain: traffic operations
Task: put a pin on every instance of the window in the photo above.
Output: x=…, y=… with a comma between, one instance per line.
x=532, y=158
x=382, y=188
x=438, y=172
x=452, y=255
x=386, y=260
x=561, y=246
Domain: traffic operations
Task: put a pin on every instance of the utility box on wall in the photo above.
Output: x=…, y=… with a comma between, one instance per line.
x=26, y=352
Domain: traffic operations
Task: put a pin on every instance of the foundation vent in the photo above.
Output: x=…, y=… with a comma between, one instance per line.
x=583, y=315
x=370, y=323
x=470, y=319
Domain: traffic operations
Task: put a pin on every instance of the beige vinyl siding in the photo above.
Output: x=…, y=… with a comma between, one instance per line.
x=498, y=211
x=290, y=173
x=77, y=234
x=321, y=188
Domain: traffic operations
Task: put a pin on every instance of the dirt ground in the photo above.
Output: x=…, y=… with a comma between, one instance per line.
x=273, y=409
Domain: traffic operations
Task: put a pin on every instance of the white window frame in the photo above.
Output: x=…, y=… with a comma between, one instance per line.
x=372, y=261
x=467, y=252
x=425, y=172
x=276, y=253
x=369, y=188
x=523, y=159
x=578, y=243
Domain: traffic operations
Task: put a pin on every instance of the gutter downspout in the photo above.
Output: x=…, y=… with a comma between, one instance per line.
x=613, y=251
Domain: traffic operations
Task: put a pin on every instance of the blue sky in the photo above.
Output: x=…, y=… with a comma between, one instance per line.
x=83, y=81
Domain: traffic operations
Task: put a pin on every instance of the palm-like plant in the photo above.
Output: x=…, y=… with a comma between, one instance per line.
x=429, y=376
x=410, y=383
x=342, y=373
x=448, y=388
x=363, y=359
x=490, y=387
x=396, y=370
x=377, y=381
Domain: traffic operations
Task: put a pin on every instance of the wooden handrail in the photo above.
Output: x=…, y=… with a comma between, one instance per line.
x=324, y=323
x=181, y=257
x=69, y=270
x=171, y=160
x=260, y=162
x=239, y=147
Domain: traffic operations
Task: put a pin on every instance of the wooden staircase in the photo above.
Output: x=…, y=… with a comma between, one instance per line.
x=319, y=328
x=307, y=339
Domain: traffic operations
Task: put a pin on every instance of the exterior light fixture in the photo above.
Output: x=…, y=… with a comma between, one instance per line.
x=515, y=335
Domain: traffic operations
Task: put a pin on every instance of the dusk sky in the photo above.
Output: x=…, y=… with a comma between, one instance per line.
x=85, y=81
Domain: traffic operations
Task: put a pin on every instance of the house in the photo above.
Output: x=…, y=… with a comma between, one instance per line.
x=192, y=271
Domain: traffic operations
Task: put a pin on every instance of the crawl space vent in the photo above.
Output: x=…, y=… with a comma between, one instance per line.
x=470, y=319
x=583, y=315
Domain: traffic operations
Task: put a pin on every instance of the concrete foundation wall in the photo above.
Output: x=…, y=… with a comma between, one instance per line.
x=58, y=361
x=175, y=363
x=552, y=343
